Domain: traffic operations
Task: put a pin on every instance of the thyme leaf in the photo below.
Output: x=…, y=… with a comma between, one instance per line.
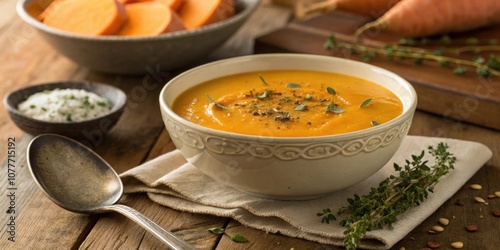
x=394, y=195
x=293, y=85
x=262, y=79
x=365, y=102
x=301, y=107
x=216, y=103
x=234, y=237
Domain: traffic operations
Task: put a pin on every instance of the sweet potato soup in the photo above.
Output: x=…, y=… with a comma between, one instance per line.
x=289, y=103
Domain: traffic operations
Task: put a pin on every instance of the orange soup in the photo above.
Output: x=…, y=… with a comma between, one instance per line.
x=288, y=103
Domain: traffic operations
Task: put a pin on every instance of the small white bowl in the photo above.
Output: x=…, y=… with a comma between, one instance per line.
x=138, y=55
x=284, y=167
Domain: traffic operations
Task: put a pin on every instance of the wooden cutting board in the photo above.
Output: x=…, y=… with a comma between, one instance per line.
x=467, y=98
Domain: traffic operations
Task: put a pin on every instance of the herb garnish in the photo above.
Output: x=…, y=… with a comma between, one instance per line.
x=365, y=102
x=293, y=85
x=301, y=107
x=216, y=103
x=308, y=97
x=374, y=123
x=264, y=95
x=394, y=195
x=331, y=90
x=234, y=237
x=262, y=79
x=332, y=107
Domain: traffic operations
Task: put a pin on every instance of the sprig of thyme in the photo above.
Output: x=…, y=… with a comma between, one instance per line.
x=484, y=67
x=394, y=195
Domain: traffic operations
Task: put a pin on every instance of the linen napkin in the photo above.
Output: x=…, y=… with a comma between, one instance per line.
x=170, y=181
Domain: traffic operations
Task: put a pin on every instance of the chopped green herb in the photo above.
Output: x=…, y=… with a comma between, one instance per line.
x=375, y=123
x=332, y=107
x=32, y=106
x=264, y=95
x=216, y=103
x=308, y=97
x=262, y=79
x=293, y=85
x=365, y=102
x=68, y=118
x=301, y=107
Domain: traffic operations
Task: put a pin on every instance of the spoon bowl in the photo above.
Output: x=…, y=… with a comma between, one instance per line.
x=79, y=180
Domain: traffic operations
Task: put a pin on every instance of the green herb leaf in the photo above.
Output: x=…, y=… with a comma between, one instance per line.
x=459, y=71
x=330, y=42
x=264, y=95
x=262, y=79
x=216, y=103
x=365, y=102
x=301, y=107
x=217, y=230
x=375, y=123
x=293, y=85
x=238, y=238
x=332, y=107
x=331, y=90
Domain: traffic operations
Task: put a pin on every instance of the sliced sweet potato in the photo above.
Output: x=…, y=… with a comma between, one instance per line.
x=197, y=13
x=173, y=4
x=87, y=17
x=150, y=18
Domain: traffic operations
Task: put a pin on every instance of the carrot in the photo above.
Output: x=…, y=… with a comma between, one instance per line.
x=150, y=18
x=418, y=18
x=371, y=8
x=87, y=17
x=197, y=13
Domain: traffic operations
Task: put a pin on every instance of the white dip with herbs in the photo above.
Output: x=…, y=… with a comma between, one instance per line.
x=65, y=105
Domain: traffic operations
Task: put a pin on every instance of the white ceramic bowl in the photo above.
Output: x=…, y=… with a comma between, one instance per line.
x=138, y=55
x=288, y=168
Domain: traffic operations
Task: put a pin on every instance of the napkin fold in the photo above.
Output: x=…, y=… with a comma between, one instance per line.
x=170, y=181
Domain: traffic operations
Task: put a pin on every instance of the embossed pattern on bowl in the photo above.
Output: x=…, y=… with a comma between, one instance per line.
x=288, y=168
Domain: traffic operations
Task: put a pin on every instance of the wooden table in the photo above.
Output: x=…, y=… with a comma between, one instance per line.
x=25, y=59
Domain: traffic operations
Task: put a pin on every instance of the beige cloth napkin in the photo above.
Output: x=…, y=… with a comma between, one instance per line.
x=172, y=182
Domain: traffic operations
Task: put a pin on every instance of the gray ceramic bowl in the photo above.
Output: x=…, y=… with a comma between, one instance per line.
x=134, y=55
x=89, y=130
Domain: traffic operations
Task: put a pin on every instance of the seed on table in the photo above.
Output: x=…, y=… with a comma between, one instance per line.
x=433, y=244
x=444, y=221
x=496, y=213
x=457, y=244
x=476, y=186
x=497, y=194
x=479, y=199
x=437, y=229
x=492, y=196
x=471, y=228
x=459, y=202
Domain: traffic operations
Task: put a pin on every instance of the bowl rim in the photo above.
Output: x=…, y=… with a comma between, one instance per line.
x=117, y=107
x=237, y=17
x=270, y=139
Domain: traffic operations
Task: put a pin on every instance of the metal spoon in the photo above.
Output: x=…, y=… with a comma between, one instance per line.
x=77, y=179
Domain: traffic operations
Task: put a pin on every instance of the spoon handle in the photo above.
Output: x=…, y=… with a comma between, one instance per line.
x=166, y=236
